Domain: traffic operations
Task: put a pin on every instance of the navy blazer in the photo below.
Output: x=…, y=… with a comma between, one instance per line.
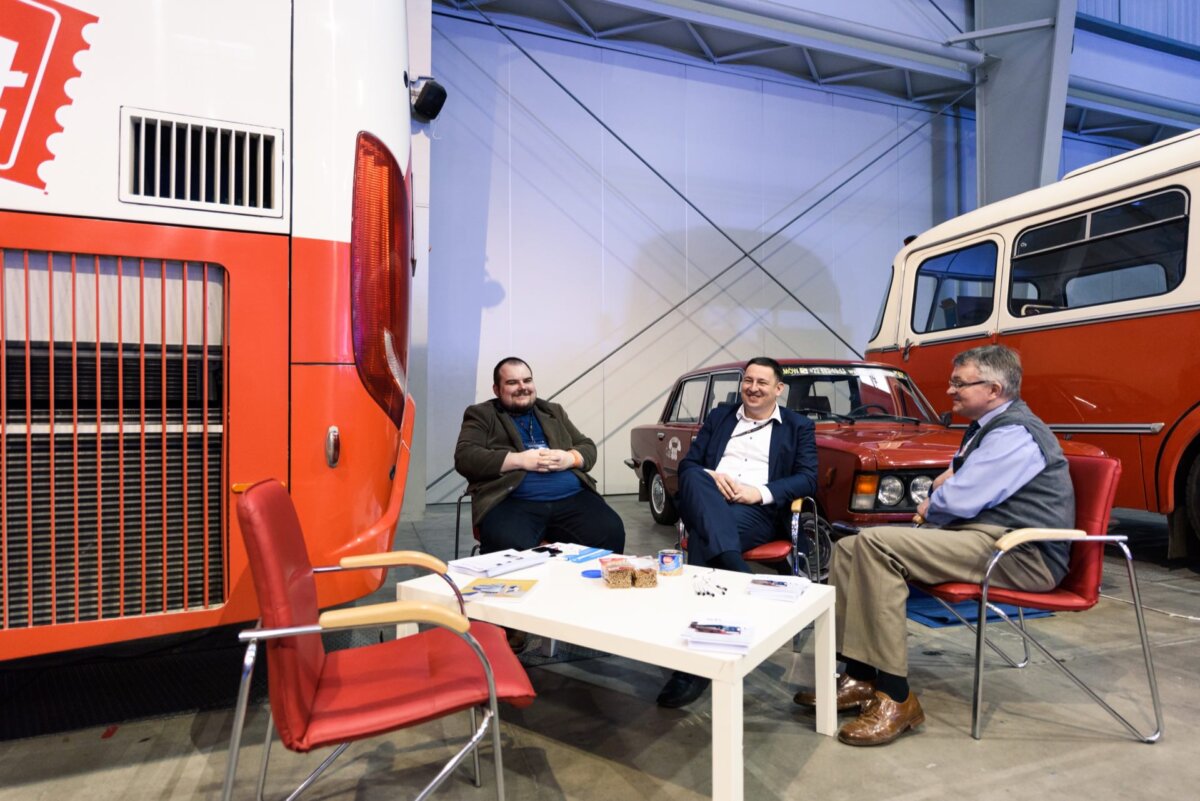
x=792, y=468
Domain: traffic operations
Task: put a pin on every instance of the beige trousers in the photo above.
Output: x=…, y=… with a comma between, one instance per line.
x=871, y=571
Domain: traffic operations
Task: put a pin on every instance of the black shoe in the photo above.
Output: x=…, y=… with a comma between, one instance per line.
x=517, y=640
x=681, y=689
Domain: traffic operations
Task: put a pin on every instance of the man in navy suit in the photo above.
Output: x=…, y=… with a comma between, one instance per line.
x=747, y=463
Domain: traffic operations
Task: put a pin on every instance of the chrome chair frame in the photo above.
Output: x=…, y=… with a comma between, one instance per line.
x=252, y=637
x=1027, y=639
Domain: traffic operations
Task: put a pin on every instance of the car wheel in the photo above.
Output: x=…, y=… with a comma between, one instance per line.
x=662, y=508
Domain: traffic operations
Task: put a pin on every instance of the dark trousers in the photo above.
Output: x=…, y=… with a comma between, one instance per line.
x=714, y=524
x=583, y=518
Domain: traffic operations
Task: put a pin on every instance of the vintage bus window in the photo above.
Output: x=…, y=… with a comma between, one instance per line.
x=689, y=401
x=954, y=290
x=1051, y=236
x=1135, y=250
x=1144, y=211
x=726, y=389
x=1110, y=286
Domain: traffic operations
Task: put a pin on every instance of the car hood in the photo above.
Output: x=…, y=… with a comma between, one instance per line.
x=892, y=446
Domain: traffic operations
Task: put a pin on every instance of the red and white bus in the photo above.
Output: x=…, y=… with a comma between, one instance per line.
x=205, y=226
x=1094, y=280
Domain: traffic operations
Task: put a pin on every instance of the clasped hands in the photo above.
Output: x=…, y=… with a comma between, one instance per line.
x=735, y=491
x=546, y=460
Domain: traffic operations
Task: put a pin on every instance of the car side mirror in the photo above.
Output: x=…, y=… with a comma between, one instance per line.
x=946, y=417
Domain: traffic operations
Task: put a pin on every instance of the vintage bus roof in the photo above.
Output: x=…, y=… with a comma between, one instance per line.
x=1125, y=170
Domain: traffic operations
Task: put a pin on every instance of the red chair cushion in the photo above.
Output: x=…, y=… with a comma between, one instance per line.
x=375, y=689
x=1057, y=600
x=774, y=551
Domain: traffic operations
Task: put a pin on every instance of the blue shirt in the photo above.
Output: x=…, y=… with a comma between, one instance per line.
x=1003, y=463
x=541, y=486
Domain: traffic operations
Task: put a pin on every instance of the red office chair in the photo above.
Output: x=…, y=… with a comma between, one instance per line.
x=815, y=559
x=319, y=698
x=1095, y=481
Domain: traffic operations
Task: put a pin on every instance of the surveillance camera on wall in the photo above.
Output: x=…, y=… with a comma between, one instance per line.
x=428, y=97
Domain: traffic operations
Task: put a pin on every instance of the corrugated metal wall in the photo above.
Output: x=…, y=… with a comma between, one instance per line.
x=1174, y=19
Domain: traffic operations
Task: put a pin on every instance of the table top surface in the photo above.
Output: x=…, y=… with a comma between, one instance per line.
x=646, y=624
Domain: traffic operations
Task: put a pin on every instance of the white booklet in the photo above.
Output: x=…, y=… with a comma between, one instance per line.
x=719, y=633
x=499, y=562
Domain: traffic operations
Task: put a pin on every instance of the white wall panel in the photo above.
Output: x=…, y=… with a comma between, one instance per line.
x=554, y=243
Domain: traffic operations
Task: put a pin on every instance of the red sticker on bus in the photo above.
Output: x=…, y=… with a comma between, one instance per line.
x=39, y=40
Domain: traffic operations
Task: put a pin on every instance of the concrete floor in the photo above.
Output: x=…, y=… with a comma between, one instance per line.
x=595, y=733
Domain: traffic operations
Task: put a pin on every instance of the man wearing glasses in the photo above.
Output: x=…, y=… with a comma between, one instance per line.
x=1009, y=473
x=747, y=463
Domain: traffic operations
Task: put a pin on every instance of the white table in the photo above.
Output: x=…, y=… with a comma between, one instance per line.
x=646, y=624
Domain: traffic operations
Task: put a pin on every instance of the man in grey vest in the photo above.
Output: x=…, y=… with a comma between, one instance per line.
x=1010, y=473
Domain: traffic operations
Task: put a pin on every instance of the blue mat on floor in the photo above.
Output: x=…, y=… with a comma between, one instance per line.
x=925, y=609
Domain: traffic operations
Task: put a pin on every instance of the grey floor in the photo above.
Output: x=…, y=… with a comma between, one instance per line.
x=595, y=733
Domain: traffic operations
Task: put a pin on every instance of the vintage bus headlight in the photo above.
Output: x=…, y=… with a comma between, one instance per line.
x=918, y=489
x=891, y=491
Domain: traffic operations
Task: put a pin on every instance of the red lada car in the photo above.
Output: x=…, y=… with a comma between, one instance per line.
x=879, y=442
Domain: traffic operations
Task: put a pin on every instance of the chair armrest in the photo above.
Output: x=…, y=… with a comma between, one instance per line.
x=798, y=504
x=394, y=612
x=1023, y=535
x=394, y=559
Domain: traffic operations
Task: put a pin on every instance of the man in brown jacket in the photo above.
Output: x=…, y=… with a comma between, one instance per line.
x=526, y=465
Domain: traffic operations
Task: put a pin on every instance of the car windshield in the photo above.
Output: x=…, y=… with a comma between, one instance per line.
x=851, y=392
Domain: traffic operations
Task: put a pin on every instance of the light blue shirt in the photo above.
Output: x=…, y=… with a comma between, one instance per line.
x=1003, y=463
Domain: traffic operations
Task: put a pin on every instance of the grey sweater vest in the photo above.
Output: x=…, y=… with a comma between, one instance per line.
x=1047, y=501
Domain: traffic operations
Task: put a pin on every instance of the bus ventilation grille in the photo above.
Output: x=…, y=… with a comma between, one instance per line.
x=187, y=162
x=113, y=451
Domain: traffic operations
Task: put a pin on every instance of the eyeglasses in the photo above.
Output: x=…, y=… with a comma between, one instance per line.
x=955, y=384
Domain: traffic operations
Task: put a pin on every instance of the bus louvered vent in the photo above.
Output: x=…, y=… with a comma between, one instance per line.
x=113, y=452
x=187, y=162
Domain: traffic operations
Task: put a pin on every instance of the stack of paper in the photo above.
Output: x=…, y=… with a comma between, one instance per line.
x=499, y=562
x=731, y=635
x=779, y=588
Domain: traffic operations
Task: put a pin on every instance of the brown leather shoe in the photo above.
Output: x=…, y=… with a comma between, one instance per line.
x=882, y=720
x=851, y=694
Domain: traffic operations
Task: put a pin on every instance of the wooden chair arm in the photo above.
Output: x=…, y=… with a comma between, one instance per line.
x=394, y=559
x=387, y=614
x=1023, y=535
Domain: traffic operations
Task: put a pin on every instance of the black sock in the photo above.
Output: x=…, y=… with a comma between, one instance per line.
x=893, y=686
x=860, y=671
x=729, y=560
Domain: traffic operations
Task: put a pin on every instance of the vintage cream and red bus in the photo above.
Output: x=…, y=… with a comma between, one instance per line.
x=204, y=224
x=1093, y=280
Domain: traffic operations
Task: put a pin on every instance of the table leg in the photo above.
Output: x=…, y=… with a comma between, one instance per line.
x=727, y=767
x=824, y=665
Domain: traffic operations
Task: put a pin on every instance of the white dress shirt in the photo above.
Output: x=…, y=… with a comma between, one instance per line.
x=747, y=454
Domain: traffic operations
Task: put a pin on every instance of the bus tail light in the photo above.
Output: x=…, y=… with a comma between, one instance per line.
x=379, y=279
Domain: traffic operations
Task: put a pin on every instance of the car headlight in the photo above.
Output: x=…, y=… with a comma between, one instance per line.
x=891, y=491
x=918, y=489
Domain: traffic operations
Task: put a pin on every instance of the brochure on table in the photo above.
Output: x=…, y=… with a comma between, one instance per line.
x=509, y=589
x=499, y=562
x=719, y=633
